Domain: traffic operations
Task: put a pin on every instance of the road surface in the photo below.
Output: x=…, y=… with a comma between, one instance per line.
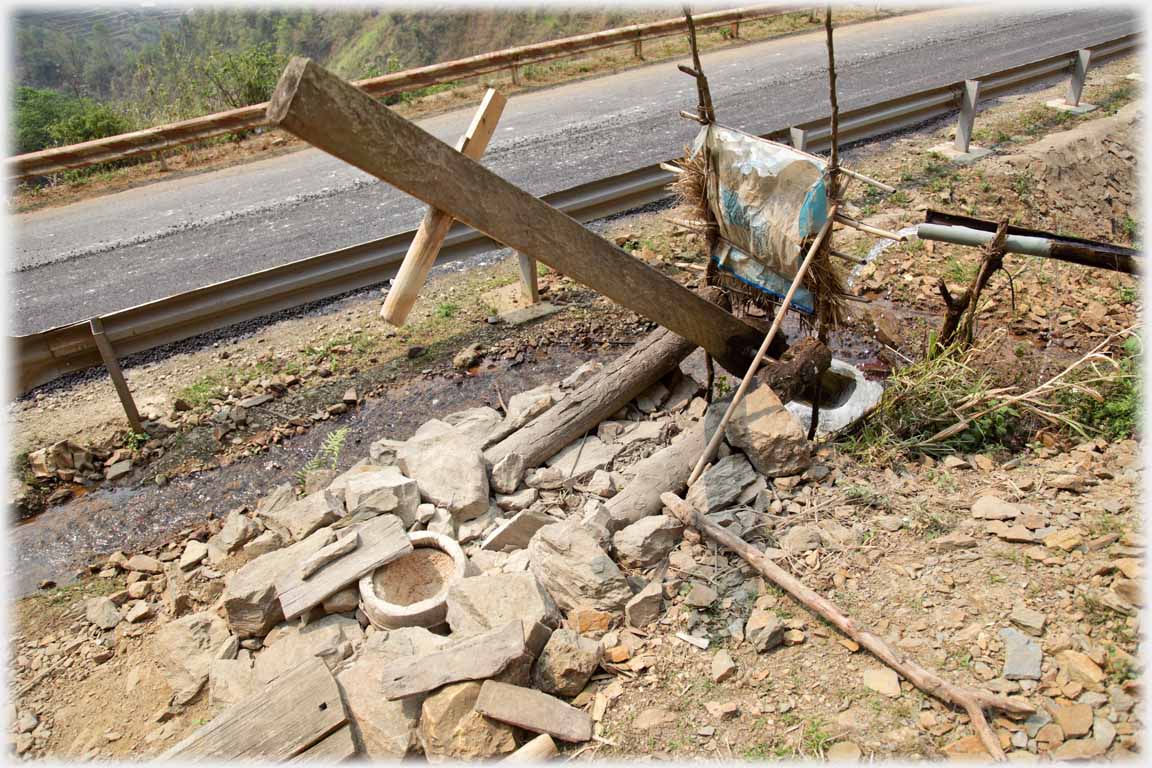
x=96, y=256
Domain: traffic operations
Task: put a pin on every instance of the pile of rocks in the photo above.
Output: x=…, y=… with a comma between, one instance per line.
x=578, y=584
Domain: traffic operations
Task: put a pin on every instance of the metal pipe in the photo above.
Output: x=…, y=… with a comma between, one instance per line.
x=1031, y=246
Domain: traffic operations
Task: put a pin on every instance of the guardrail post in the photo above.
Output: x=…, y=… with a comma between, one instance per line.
x=961, y=150
x=799, y=138
x=638, y=48
x=967, y=114
x=735, y=30
x=515, y=74
x=1071, y=102
x=108, y=355
x=529, y=278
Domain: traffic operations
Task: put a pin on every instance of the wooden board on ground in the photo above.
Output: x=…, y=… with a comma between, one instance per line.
x=337, y=747
x=342, y=120
x=382, y=540
x=534, y=711
x=285, y=718
x=475, y=658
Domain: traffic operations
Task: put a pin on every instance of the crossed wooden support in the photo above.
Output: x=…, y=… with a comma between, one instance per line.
x=342, y=120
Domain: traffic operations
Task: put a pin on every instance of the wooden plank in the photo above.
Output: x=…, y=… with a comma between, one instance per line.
x=335, y=116
x=474, y=658
x=285, y=718
x=533, y=710
x=434, y=227
x=382, y=540
x=337, y=747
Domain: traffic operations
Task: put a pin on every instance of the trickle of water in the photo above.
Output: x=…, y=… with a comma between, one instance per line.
x=877, y=248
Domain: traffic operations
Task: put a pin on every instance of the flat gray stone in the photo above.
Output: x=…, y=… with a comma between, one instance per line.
x=720, y=485
x=1022, y=655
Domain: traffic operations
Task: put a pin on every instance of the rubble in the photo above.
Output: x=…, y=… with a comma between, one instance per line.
x=483, y=603
x=448, y=468
x=566, y=663
x=570, y=564
x=647, y=541
x=452, y=729
x=769, y=434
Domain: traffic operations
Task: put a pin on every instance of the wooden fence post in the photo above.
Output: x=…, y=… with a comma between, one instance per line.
x=114, y=371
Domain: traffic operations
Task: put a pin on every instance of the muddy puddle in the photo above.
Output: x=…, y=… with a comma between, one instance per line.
x=56, y=544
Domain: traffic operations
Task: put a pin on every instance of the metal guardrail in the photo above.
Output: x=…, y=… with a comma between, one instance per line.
x=44, y=356
x=163, y=137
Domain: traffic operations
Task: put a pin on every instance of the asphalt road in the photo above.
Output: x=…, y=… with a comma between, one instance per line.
x=96, y=256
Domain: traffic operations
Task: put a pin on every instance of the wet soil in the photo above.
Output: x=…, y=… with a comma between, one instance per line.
x=54, y=546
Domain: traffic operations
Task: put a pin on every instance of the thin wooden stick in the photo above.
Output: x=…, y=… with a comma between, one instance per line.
x=707, y=114
x=868, y=228
x=714, y=443
x=834, y=155
x=867, y=180
x=973, y=701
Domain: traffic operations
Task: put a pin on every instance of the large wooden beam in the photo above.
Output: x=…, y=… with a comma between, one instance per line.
x=435, y=225
x=339, y=118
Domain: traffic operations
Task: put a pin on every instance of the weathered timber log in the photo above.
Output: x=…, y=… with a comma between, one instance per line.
x=668, y=469
x=665, y=471
x=594, y=401
x=972, y=700
x=342, y=120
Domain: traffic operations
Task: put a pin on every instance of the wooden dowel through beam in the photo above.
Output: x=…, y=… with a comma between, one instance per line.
x=108, y=355
x=714, y=442
x=434, y=227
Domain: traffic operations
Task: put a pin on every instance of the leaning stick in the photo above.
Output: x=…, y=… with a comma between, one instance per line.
x=714, y=443
x=973, y=701
x=434, y=227
x=868, y=180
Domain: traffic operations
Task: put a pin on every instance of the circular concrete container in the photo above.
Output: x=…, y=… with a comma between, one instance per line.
x=412, y=591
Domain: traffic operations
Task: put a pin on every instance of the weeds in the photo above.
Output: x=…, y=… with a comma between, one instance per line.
x=949, y=403
x=327, y=457
x=446, y=310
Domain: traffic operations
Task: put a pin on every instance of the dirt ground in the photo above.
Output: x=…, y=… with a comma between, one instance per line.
x=914, y=565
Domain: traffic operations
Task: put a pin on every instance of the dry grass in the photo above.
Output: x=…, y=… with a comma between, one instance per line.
x=950, y=402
